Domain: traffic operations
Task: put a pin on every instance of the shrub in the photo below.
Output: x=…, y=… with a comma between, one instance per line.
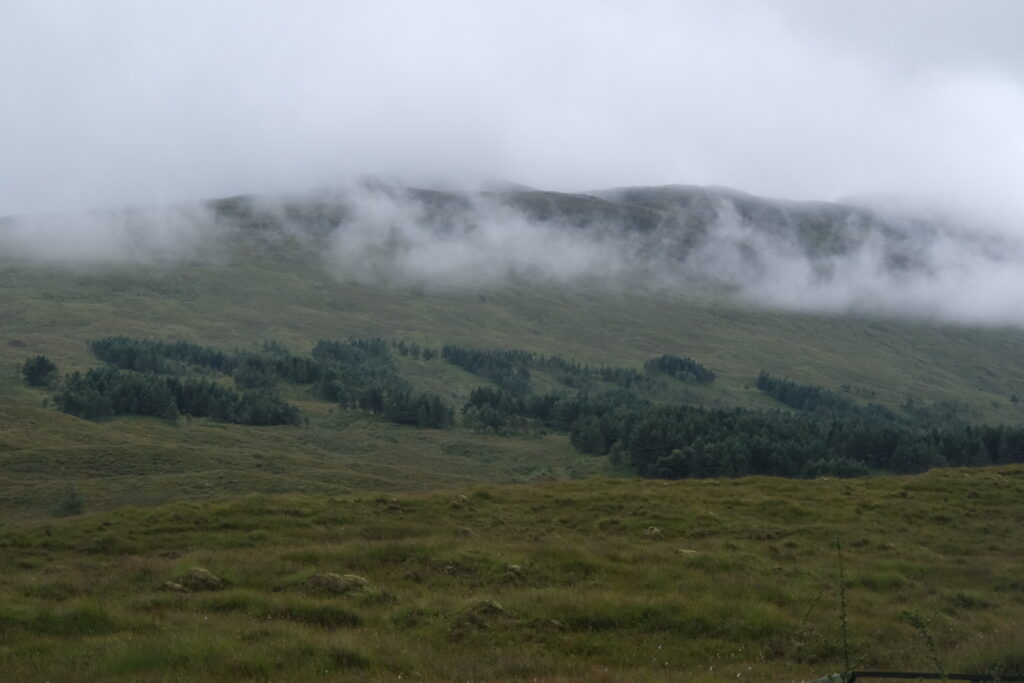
x=69, y=504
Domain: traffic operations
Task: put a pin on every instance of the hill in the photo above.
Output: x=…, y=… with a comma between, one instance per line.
x=246, y=270
x=303, y=408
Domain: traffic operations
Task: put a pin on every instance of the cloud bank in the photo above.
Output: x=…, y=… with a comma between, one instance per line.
x=114, y=101
x=148, y=235
x=799, y=256
x=855, y=261
x=893, y=103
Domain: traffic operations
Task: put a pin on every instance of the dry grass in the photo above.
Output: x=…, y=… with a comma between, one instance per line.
x=556, y=581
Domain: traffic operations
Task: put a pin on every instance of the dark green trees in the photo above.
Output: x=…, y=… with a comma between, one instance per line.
x=587, y=436
x=168, y=379
x=802, y=396
x=420, y=410
x=681, y=368
x=106, y=391
x=39, y=371
x=508, y=369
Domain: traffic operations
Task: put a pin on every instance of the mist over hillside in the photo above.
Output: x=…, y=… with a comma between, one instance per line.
x=792, y=255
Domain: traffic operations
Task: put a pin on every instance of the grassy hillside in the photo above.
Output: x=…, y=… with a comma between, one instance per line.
x=250, y=298
x=141, y=461
x=603, y=580
x=458, y=578
x=56, y=311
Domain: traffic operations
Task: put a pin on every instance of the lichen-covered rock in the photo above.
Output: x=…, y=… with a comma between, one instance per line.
x=337, y=584
x=173, y=587
x=486, y=608
x=480, y=616
x=200, y=579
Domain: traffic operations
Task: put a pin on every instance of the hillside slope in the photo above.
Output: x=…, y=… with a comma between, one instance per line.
x=261, y=274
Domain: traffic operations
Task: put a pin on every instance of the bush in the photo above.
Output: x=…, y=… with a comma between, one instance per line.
x=69, y=504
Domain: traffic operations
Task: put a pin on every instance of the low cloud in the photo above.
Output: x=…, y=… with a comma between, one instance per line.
x=111, y=236
x=875, y=265
x=822, y=258
x=475, y=240
x=930, y=273
x=118, y=102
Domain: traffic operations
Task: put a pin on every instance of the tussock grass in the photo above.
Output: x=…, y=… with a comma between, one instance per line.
x=554, y=581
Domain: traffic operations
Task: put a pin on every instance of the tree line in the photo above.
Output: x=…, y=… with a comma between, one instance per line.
x=510, y=370
x=106, y=391
x=604, y=410
x=154, y=377
x=825, y=436
x=361, y=374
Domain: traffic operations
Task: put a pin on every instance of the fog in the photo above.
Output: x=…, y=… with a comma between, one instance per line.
x=680, y=241
x=113, y=101
x=912, y=107
x=146, y=235
x=940, y=274
x=884, y=264
x=392, y=239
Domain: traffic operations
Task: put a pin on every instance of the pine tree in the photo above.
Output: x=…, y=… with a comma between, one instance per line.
x=39, y=371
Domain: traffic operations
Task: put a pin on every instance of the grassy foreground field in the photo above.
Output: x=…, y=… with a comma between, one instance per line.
x=594, y=580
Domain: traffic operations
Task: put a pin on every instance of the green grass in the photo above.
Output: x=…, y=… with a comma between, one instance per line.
x=545, y=579
x=142, y=461
x=551, y=581
x=57, y=310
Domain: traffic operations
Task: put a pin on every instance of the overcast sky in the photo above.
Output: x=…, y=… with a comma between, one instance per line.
x=107, y=102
